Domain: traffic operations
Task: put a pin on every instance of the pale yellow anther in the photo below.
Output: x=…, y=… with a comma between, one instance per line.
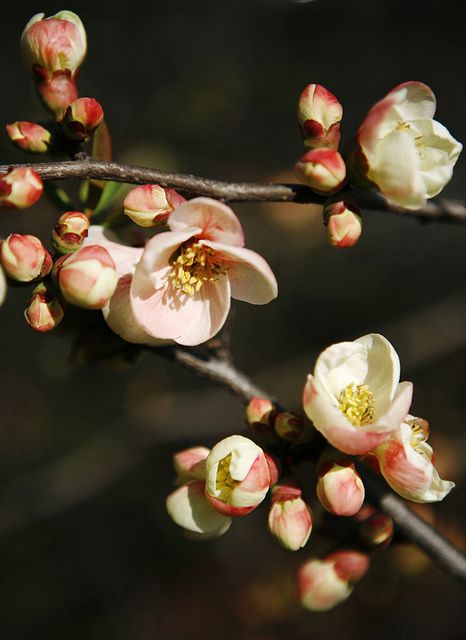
x=224, y=483
x=357, y=403
x=419, y=431
x=192, y=266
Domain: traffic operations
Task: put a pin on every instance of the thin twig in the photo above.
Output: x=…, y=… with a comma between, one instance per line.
x=439, y=210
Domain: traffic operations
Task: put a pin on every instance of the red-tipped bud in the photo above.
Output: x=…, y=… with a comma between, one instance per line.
x=29, y=136
x=70, y=231
x=343, y=222
x=44, y=312
x=57, y=43
x=292, y=428
x=378, y=529
x=339, y=487
x=57, y=91
x=322, y=584
x=323, y=170
x=150, y=204
x=237, y=476
x=260, y=414
x=25, y=258
x=82, y=118
x=290, y=518
x=87, y=278
x=319, y=116
x=20, y=188
x=190, y=463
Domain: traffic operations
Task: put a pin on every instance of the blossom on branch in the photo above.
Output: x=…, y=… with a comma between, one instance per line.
x=182, y=285
x=406, y=463
x=355, y=398
x=400, y=149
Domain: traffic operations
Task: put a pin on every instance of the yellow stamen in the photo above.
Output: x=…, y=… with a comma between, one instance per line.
x=357, y=403
x=224, y=483
x=419, y=431
x=193, y=265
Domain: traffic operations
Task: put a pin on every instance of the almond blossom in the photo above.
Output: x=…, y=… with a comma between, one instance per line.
x=182, y=286
x=355, y=398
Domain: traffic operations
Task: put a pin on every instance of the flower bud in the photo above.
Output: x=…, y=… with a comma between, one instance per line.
x=25, y=258
x=343, y=222
x=69, y=232
x=188, y=507
x=290, y=518
x=57, y=43
x=237, y=476
x=292, y=428
x=82, y=118
x=56, y=91
x=322, y=584
x=339, y=487
x=378, y=529
x=20, y=188
x=87, y=278
x=29, y=136
x=260, y=415
x=44, y=312
x=319, y=116
x=190, y=463
x=323, y=170
x=150, y=204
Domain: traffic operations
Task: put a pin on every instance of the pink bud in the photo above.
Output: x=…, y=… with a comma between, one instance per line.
x=82, y=118
x=44, y=312
x=290, y=518
x=87, y=278
x=323, y=170
x=339, y=487
x=349, y=565
x=29, y=136
x=190, y=463
x=293, y=428
x=57, y=43
x=319, y=115
x=150, y=204
x=24, y=258
x=57, y=91
x=20, y=188
x=343, y=222
x=237, y=476
x=260, y=414
x=274, y=468
x=377, y=530
x=70, y=231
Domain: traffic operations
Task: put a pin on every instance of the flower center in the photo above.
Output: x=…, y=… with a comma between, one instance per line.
x=224, y=483
x=419, y=432
x=357, y=403
x=194, y=264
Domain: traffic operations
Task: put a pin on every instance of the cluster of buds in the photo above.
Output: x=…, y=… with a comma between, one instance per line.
x=151, y=204
x=271, y=424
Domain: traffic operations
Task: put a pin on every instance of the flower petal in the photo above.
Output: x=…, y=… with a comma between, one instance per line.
x=189, y=508
x=251, y=278
x=124, y=257
x=383, y=370
x=216, y=221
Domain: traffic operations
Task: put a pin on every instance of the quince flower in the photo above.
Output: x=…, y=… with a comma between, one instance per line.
x=400, y=148
x=355, y=398
x=182, y=285
x=406, y=463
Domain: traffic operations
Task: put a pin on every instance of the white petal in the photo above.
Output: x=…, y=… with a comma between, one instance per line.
x=216, y=221
x=189, y=508
x=383, y=372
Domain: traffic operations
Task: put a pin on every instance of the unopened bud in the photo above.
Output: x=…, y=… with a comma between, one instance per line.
x=87, y=278
x=343, y=222
x=29, y=136
x=70, y=231
x=290, y=518
x=44, y=312
x=82, y=118
x=378, y=529
x=319, y=116
x=25, y=258
x=150, y=204
x=292, y=428
x=190, y=463
x=260, y=414
x=339, y=487
x=323, y=170
x=57, y=91
x=20, y=188
x=57, y=43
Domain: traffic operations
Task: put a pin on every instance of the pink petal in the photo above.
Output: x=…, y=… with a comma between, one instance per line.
x=251, y=278
x=216, y=221
x=124, y=257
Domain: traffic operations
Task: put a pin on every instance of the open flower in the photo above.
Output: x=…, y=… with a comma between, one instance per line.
x=182, y=286
x=406, y=463
x=402, y=150
x=355, y=398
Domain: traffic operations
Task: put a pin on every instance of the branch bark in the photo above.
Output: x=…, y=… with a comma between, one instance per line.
x=438, y=210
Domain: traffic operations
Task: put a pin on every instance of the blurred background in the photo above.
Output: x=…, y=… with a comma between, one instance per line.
x=210, y=88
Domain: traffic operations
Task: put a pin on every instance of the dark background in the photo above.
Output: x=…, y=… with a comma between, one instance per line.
x=210, y=88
